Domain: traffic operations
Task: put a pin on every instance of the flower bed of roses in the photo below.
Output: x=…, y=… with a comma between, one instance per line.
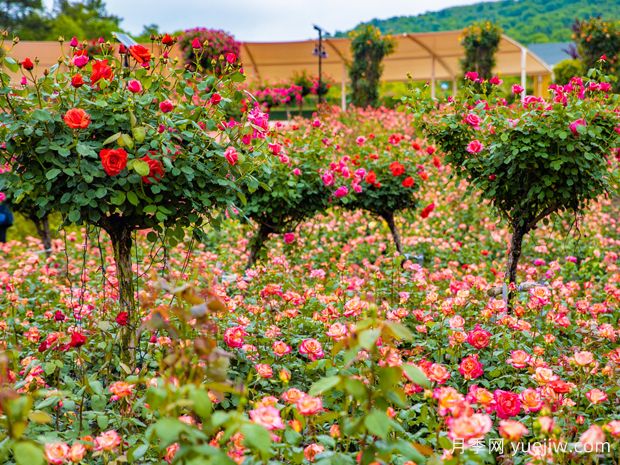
x=543, y=373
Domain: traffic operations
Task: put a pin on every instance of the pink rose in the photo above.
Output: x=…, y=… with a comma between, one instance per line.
x=289, y=238
x=231, y=155
x=473, y=120
x=475, y=146
x=517, y=89
x=134, y=86
x=574, y=126
x=507, y=404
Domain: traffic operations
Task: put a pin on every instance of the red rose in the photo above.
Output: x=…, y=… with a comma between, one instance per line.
x=397, y=169
x=101, y=70
x=167, y=39
x=77, y=80
x=231, y=57
x=196, y=43
x=59, y=316
x=479, y=338
x=156, y=170
x=215, y=99
x=507, y=404
x=76, y=118
x=408, y=182
x=140, y=53
x=371, y=177
x=27, y=64
x=77, y=339
x=166, y=106
x=113, y=160
x=427, y=210
x=122, y=319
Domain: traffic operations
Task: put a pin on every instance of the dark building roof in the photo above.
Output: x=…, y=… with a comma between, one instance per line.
x=551, y=53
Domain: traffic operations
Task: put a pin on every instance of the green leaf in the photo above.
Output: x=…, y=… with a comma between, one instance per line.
x=112, y=138
x=41, y=115
x=378, y=423
x=202, y=404
x=11, y=64
x=133, y=198
x=118, y=198
x=27, y=453
x=368, y=338
x=257, y=437
x=53, y=173
x=137, y=453
x=168, y=430
x=141, y=167
x=417, y=376
x=324, y=384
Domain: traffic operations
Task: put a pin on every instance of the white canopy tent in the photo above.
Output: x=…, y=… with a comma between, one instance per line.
x=429, y=57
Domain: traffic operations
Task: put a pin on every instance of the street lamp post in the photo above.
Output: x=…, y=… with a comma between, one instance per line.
x=320, y=52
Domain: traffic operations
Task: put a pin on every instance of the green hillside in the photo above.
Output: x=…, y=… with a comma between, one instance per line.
x=527, y=21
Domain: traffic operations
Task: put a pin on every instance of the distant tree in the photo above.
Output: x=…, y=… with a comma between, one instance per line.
x=24, y=18
x=86, y=20
x=598, y=38
x=566, y=69
x=480, y=41
x=148, y=31
x=368, y=48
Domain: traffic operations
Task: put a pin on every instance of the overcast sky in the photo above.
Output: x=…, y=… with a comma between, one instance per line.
x=266, y=20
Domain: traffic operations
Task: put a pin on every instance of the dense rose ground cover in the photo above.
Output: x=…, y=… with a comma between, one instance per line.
x=322, y=338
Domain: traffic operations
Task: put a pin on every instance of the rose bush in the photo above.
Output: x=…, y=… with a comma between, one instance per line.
x=531, y=159
x=126, y=147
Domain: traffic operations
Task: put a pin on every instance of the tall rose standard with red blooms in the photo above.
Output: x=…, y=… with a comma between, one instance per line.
x=124, y=148
x=534, y=158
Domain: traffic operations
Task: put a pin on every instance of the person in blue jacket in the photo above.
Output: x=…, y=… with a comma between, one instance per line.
x=6, y=220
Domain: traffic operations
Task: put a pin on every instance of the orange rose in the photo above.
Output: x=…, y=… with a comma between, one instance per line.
x=76, y=118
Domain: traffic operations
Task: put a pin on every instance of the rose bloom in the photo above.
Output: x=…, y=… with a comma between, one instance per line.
x=56, y=452
x=481, y=396
x=478, y=337
x=312, y=450
x=140, y=53
x=268, y=417
x=156, y=170
x=596, y=396
x=231, y=155
x=473, y=120
x=308, y=405
x=134, y=86
x=264, y=370
x=166, y=106
x=107, y=441
x=101, y=70
x=583, y=358
x=292, y=395
x=531, y=400
x=448, y=399
x=470, y=367
x=77, y=452
x=519, y=358
x=121, y=389
x=76, y=118
x=546, y=424
x=281, y=348
x=312, y=348
x=475, y=146
x=613, y=427
x=77, y=80
x=113, y=161
x=592, y=439
x=544, y=375
x=289, y=238
x=438, y=373
x=456, y=322
x=171, y=451
x=337, y=331
x=512, y=430
x=507, y=404
x=469, y=427
x=233, y=337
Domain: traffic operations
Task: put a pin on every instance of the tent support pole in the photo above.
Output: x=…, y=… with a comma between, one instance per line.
x=454, y=87
x=433, y=77
x=523, y=72
x=343, y=88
